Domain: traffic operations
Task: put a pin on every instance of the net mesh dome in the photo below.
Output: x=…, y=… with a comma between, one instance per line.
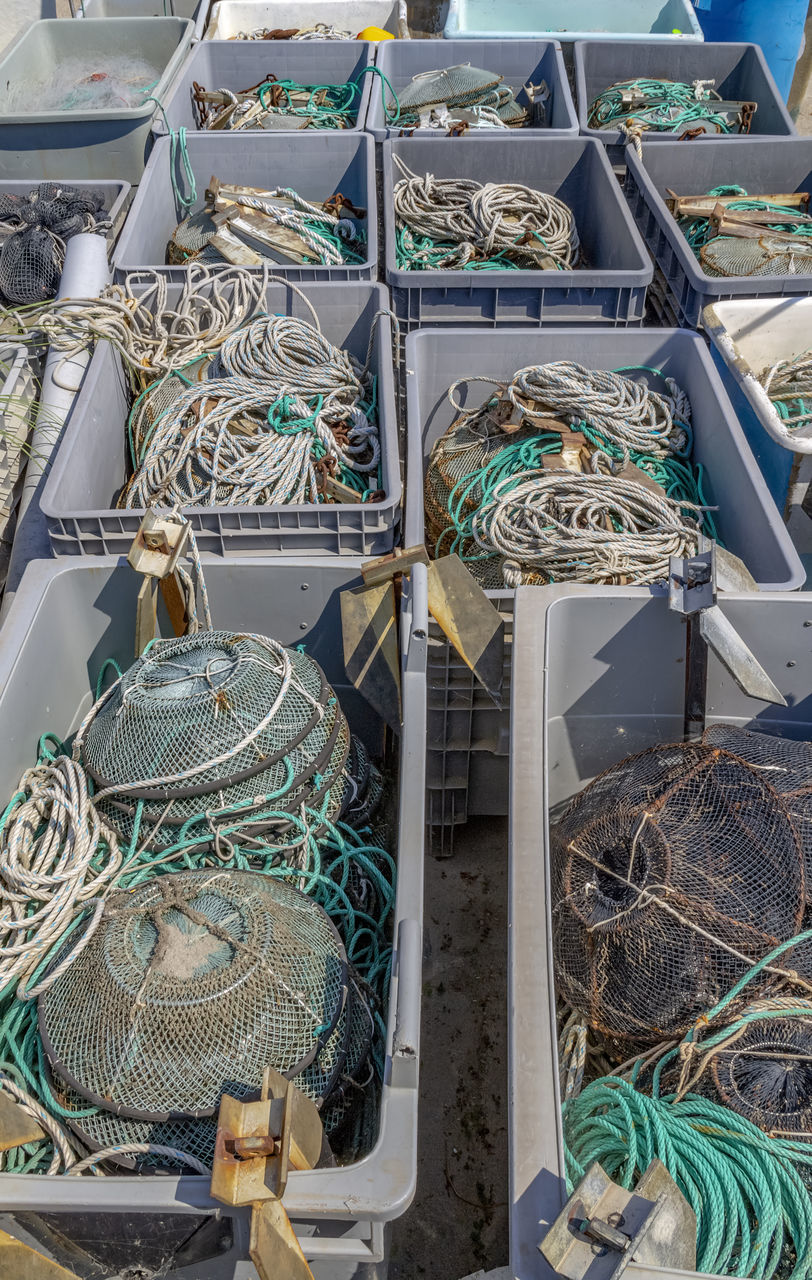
x=731, y=256
x=216, y=727
x=671, y=874
x=193, y=983
x=349, y=1074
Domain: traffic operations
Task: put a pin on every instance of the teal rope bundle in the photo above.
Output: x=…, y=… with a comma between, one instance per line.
x=744, y=1187
x=670, y=105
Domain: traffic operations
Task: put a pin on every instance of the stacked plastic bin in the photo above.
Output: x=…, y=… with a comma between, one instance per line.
x=599, y=672
x=270, y=570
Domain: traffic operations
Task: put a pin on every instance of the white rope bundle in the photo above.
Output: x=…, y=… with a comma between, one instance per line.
x=151, y=335
x=561, y=526
x=51, y=835
x=483, y=220
x=790, y=380
x=197, y=455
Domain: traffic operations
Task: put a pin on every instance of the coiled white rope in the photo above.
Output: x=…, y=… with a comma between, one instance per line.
x=139, y=1148
x=622, y=409
x=303, y=398
x=50, y=836
x=482, y=221
x=581, y=528
x=300, y=219
x=63, y=1152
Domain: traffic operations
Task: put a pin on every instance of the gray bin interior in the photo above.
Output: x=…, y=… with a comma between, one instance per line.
x=90, y=465
x=611, y=287
x=519, y=63
x=600, y=674
x=197, y=10
x=66, y=620
x=316, y=164
x=80, y=143
x=739, y=71
x=762, y=165
x=467, y=735
x=238, y=64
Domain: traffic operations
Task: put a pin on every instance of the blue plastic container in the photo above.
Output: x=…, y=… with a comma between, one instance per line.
x=577, y=20
x=778, y=28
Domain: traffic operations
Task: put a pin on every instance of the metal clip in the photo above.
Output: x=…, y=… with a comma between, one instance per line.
x=158, y=545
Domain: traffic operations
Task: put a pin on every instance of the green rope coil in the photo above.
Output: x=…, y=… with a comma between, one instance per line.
x=672, y=105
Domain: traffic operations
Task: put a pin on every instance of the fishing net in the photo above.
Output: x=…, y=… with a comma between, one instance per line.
x=672, y=873
x=34, y=229
x=195, y=982
x=734, y=256
x=216, y=733
x=766, y=1074
x=99, y=1129
x=96, y=81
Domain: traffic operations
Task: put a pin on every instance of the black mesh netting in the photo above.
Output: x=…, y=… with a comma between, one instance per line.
x=766, y=1075
x=34, y=229
x=672, y=873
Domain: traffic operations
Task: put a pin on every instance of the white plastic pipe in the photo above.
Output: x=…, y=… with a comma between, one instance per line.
x=85, y=274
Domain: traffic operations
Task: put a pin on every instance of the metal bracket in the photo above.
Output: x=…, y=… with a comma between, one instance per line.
x=158, y=545
x=692, y=585
x=604, y=1227
x=257, y=1144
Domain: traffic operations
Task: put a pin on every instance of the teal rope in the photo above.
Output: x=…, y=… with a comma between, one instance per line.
x=673, y=106
x=178, y=150
x=696, y=230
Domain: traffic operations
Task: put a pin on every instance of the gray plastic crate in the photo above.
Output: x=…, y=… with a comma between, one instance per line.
x=466, y=731
x=611, y=290
x=65, y=621
x=86, y=144
x=90, y=465
x=757, y=164
x=316, y=164
x=238, y=64
x=739, y=71
x=518, y=64
x=600, y=674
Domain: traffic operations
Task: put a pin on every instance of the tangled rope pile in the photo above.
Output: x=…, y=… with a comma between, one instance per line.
x=788, y=383
x=462, y=224
x=502, y=502
x=664, y=106
x=136, y=318
x=34, y=230
x=284, y=410
x=285, y=225
x=282, y=104
x=585, y=528
x=319, y=31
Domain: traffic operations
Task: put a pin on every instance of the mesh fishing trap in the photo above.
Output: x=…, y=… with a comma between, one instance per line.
x=672, y=873
x=217, y=730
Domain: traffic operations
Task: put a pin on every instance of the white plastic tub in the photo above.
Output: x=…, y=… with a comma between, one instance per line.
x=231, y=18
x=196, y=10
